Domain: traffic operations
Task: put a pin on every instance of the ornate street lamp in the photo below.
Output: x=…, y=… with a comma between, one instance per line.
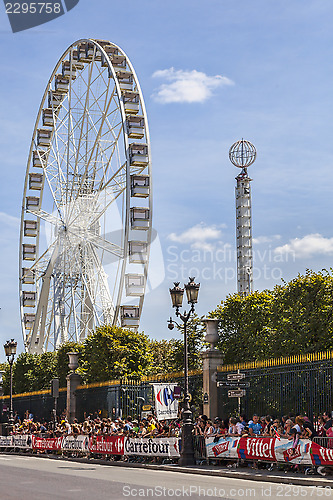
x=177, y=293
x=10, y=351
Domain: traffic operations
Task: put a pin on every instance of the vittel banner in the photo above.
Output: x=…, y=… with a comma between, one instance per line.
x=254, y=448
x=261, y=448
x=223, y=448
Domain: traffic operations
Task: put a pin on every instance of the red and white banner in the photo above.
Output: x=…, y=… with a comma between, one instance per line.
x=109, y=445
x=50, y=444
x=321, y=455
x=261, y=448
x=158, y=447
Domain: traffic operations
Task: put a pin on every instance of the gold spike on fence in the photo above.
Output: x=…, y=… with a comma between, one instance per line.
x=287, y=360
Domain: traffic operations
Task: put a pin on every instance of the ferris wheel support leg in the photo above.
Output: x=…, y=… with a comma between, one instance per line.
x=88, y=315
x=37, y=340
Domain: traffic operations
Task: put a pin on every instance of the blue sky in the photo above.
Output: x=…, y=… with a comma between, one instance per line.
x=211, y=73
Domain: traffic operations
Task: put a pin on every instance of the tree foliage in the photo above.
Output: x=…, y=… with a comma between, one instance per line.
x=293, y=318
x=32, y=372
x=112, y=352
x=168, y=355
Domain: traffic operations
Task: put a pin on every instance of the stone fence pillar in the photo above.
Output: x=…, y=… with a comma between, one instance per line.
x=211, y=359
x=73, y=381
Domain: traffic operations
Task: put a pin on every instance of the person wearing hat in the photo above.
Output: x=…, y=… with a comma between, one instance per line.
x=135, y=427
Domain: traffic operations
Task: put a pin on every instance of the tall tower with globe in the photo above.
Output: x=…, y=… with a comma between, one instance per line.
x=242, y=154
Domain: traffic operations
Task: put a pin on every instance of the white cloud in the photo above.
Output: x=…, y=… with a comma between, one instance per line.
x=9, y=220
x=265, y=239
x=187, y=86
x=309, y=245
x=199, y=236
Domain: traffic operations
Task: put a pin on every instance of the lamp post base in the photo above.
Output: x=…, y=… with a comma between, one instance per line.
x=187, y=449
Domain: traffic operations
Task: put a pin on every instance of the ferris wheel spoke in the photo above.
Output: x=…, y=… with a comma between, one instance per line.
x=97, y=147
x=42, y=214
x=84, y=116
x=107, y=246
x=42, y=262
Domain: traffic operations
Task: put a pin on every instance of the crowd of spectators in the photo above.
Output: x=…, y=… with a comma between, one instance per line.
x=93, y=425
x=288, y=426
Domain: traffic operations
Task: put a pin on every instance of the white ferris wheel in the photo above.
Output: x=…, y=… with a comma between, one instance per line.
x=87, y=203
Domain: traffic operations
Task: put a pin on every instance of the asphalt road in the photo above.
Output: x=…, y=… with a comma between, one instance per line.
x=35, y=478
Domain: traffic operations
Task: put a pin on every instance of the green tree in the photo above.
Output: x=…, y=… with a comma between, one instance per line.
x=112, y=352
x=293, y=318
x=163, y=356
x=302, y=314
x=244, y=326
x=195, y=342
x=32, y=372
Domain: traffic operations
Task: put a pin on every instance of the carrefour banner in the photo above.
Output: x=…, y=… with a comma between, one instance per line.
x=166, y=406
x=22, y=441
x=159, y=447
x=75, y=443
x=109, y=445
x=46, y=444
x=6, y=441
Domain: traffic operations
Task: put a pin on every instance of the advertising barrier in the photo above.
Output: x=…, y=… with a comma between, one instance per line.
x=269, y=449
x=22, y=441
x=159, y=447
x=109, y=445
x=75, y=443
x=46, y=444
x=6, y=441
x=230, y=448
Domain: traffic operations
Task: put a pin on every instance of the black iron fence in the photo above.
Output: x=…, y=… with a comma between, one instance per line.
x=293, y=385
x=108, y=399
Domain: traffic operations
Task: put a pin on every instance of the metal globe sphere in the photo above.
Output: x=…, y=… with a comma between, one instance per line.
x=242, y=154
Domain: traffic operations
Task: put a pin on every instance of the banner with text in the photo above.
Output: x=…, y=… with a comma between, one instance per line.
x=109, y=445
x=159, y=447
x=166, y=406
x=270, y=449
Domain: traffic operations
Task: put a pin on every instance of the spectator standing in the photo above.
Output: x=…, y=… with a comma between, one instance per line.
x=328, y=421
x=255, y=427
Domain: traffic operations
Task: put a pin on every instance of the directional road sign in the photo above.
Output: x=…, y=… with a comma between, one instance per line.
x=231, y=385
x=235, y=376
x=237, y=393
